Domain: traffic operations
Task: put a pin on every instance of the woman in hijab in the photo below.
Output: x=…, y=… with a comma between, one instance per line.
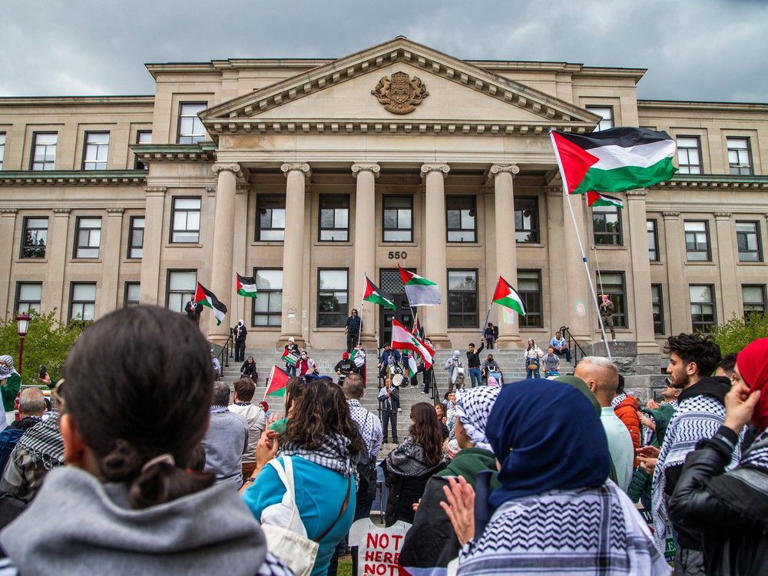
x=730, y=509
x=556, y=511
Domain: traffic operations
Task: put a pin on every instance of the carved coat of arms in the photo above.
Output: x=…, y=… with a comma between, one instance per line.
x=400, y=94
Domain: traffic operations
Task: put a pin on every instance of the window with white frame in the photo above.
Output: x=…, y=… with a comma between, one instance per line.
x=462, y=299
x=88, y=237
x=2, y=149
x=753, y=298
x=689, y=154
x=334, y=217
x=606, y=112
x=142, y=137
x=268, y=305
x=612, y=283
x=653, y=240
x=739, y=156
x=185, y=215
x=529, y=288
x=697, y=241
x=191, y=129
x=461, y=218
x=270, y=218
x=28, y=297
x=606, y=224
x=34, y=237
x=136, y=237
x=332, y=296
x=44, y=150
x=181, y=287
x=748, y=241
x=398, y=218
x=82, y=301
x=132, y=294
x=703, y=311
x=96, y=151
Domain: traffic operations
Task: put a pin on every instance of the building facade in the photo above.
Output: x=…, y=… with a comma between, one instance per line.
x=311, y=174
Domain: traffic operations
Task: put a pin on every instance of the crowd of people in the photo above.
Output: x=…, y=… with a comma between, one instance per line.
x=541, y=475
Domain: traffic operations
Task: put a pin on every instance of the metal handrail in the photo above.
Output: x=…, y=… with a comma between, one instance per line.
x=576, y=348
x=225, y=353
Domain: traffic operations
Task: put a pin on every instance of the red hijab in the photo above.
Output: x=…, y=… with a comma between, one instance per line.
x=753, y=367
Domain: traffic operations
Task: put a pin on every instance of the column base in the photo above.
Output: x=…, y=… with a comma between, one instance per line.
x=509, y=343
x=647, y=348
x=440, y=341
x=368, y=341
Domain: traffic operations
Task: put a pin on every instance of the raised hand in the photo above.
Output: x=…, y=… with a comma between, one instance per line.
x=460, y=507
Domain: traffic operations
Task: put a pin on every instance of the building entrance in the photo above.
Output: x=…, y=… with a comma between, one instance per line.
x=390, y=281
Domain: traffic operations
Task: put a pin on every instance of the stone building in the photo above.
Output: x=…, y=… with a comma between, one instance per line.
x=311, y=173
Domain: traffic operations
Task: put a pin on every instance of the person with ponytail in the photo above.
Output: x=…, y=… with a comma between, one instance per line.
x=134, y=408
x=730, y=508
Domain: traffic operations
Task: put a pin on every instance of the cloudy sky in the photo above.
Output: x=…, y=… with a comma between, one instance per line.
x=693, y=49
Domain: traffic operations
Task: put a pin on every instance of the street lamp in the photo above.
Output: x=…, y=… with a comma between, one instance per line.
x=22, y=326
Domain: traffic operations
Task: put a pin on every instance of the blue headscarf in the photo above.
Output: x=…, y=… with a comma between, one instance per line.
x=547, y=436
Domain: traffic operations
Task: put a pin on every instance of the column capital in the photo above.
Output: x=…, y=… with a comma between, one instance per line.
x=722, y=215
x=636, y=194
x=210, y=190
x=553, y=190
x=296, y=166
x=8, y=212
x=115, y=211
x=372, y=167
x=436, y=167
x=233, y=167
x=670, y=215
x=61, y=211
x=155, y=190
x=497, y=169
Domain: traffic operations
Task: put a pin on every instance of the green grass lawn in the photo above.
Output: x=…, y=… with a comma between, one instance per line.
x=345, y=566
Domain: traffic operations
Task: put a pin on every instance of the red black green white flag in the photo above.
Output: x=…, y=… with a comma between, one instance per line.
x=597, y=199
x=420, y=291
x=246, y=286
x=508, y=297
x=373, y=294
x=207, y=298
x=278, y=380
x=613, y=160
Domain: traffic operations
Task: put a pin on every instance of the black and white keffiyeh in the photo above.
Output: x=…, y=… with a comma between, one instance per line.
x=472, y=408
x=6, y=368
x=334, y=454
x=695, y=418
x=587, y=531
x=45, y=442
x=618, y=400
x=756, y=455
x=369, y=426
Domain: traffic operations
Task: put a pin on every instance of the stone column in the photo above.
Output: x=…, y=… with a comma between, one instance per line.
x=241, y=307
x=677, y=288
x=436, y=317
x=223, y=244
x=582, y=315
x=365, y=243
x=641, y=272
x=57, y=253
x=7, y=236
x=154, y=217
x=556, y=242
x=111, y=247
x=296, y=174
x=506, y=247
x=727, y=258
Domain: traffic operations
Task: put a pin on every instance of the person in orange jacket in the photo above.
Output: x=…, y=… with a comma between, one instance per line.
x=625, y=407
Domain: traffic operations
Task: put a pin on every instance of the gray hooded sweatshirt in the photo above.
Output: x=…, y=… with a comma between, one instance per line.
x=77, y=525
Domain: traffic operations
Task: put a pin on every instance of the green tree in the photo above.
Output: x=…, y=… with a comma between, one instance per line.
x=738, y=332
x=47, y=343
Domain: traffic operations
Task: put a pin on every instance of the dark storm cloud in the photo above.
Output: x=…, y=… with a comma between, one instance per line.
x=694, y=50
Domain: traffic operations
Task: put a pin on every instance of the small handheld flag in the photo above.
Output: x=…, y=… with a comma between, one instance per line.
x=278, y=380
x=420, y=291
x=208, y=298
x=508, y=297
x=246, y=286
x=373, y=294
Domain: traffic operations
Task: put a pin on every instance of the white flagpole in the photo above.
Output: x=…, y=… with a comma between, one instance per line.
x=581, y=246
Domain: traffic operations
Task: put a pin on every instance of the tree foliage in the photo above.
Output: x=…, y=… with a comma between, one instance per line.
x=739, y=332
x=47, y=343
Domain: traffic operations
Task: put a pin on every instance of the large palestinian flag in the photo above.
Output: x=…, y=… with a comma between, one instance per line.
x=404, y=340
x=246, y=286
x=420, y=291
x=373, y=294
x=207, y=298
x=614, y=160
x=508, y=297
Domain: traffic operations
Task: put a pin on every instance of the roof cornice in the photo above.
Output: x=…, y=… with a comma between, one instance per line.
x=72, y=177
x=714, y=181
x=688, y=104
x=75, y=100
x=204, y=151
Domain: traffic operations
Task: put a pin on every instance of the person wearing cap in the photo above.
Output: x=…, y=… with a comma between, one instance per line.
x=293, y=349
x=343, y=367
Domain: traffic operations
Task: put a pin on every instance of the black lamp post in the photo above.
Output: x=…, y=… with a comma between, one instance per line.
x=22, y=325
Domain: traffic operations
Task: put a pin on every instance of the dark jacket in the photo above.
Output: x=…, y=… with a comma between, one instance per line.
x=384, y=360
x=344, y=367
x=354, y=323
x=473, y=359
x=729, y=509
x=248, y=370
x=394, y=398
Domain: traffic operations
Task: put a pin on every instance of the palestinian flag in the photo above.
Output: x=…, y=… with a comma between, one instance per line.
x=597, y=199
x=508, y=297
x=278, y=380
x=614, y=160
x=289, y=358
x=416, y=330
x=413, y=368
x=420, y=291
x=246, y=286
x=404, y=340
x=373, y=294
x=207, y=298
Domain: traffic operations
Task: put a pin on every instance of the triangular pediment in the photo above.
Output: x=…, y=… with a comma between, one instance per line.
x=446, y=94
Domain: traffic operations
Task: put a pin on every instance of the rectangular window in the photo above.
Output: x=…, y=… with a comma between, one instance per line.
x=96, y=151
x=185, y=215
x=739, y=156
x=191, y=129
x=461, y=218
x=334, y=218
x=181, y=287
x=697, y=241
x=2, y=149
x=34, y=238
x=88, y=237
x=606, y=222
x=28, y=297
x=748, y=241
x=268, y=307
x=689, y=154
x=132, y=293
x=82, y=301
x=142, y=137
x=526, y=220
x=332, y=297
x=607, y=114
x=44, y=151
x=462, y=299
x=398, y=218
x=529, y=287
x=612, y=283
x=653, y=241
x=703, y=312
x=657, y=302
x=270, y=218
x=753, y=297
x=136, y=237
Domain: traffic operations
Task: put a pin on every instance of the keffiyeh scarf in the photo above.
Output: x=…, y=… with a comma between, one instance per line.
x=585, y=531
x=333, y=454
x=472, y=408
x=44, y=441
x=696, y=418
x=618, y=400
x=756, y=455
x=6, y=369
x=408, y=459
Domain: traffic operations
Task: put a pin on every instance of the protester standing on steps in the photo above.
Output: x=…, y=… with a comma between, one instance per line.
x=240, y=332
x=533, y=355
x=489, y=335
x=389, y=400
x=291, y=349
x=352, y=329
x=473, y=363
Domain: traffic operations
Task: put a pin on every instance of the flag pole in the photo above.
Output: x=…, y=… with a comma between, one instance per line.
x=581, y=246
x=362, y=306
x=487, y=315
